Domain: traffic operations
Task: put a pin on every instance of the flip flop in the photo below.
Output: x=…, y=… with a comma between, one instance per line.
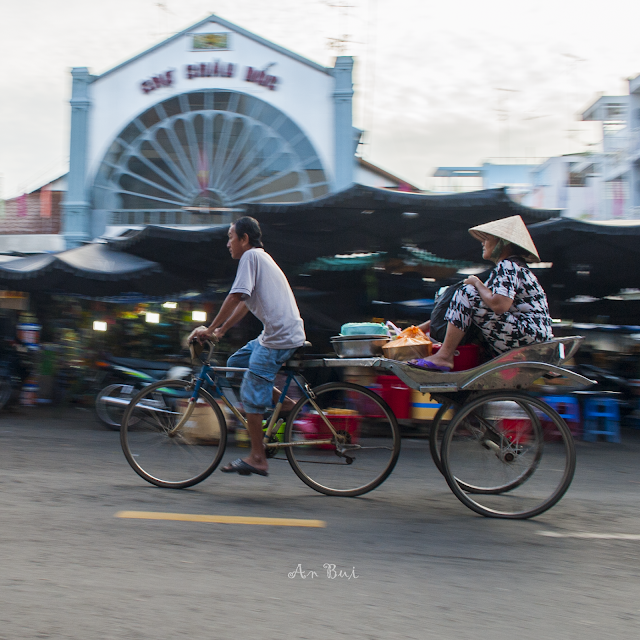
x=421, y=363
x=242, y=468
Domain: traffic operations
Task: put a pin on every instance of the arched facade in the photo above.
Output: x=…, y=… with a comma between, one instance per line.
x=198, y=154
x=212, y=118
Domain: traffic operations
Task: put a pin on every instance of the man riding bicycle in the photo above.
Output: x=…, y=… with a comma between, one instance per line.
x=262, y=288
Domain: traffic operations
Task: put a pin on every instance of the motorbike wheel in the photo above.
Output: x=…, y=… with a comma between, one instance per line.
x=111, y=403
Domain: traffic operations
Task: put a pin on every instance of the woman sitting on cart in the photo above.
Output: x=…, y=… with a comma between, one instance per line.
x=510, y=309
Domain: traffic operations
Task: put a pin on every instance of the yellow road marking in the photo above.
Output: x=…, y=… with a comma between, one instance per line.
x=195, y=517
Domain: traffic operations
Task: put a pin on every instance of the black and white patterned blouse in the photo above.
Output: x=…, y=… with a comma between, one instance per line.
x=530, y=305
x=526, y=321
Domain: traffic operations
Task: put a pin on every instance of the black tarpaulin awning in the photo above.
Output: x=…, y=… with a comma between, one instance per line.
x=364, y=218
x=589, y=258
x=358, y=219
x=185, y=252
x=92, y=270
x=161, y=260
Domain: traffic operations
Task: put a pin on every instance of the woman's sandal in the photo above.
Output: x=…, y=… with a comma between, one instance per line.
x=421, y=363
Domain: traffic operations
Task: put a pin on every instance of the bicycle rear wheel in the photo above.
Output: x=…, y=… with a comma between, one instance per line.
x=365, y=450
x=438, y=427
x=508, y=455
x=166, y=447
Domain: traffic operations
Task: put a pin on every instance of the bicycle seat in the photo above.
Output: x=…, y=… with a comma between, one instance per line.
x=299, y=352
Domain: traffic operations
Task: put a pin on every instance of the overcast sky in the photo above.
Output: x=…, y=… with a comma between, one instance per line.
x=437, y=83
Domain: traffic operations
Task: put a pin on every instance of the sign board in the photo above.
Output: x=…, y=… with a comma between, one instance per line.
x=210, y=42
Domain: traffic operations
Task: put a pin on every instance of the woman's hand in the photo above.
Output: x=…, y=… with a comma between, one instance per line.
x=474, y=281
x=496, y=302
x=425, y=327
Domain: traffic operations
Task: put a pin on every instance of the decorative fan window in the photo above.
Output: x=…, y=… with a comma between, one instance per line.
x=195, y=157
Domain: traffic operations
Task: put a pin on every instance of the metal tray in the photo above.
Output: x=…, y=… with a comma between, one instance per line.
x=358, y=346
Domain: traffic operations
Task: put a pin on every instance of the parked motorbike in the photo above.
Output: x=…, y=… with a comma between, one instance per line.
x=13, y=371
x=125, y=377
x=7, y=383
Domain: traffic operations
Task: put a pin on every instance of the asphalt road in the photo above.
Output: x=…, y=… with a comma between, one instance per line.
x=426, y=566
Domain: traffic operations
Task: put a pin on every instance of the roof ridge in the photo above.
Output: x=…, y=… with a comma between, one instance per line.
x=228, y=25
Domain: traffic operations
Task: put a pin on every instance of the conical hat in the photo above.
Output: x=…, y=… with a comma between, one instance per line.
x=512, y=229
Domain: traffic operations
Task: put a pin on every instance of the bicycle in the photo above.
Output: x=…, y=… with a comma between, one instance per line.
x=340, y=438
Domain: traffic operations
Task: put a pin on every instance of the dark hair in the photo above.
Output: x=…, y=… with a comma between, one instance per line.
x=251, y=227
x=520, y=252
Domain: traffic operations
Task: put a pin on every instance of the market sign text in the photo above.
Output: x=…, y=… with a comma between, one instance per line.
x=215, y=69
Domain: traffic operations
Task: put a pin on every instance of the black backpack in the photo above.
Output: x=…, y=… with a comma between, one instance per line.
x=438, y=327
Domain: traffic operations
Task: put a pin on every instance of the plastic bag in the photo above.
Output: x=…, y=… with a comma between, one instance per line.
x=410, y=343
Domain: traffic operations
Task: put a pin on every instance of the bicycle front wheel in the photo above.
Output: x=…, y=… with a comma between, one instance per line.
x=167, y=442
x=362, y=452
x=508, y=455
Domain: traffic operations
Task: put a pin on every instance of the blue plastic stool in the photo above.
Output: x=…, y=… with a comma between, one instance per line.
x=601, y=418
x=568, y=408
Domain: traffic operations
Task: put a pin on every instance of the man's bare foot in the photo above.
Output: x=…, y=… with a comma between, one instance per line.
x=244, y=468
x=257, y=463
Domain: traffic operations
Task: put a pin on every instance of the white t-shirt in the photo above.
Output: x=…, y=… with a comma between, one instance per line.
x=268, y=296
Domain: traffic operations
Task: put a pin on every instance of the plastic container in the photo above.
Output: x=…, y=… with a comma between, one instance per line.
x=29, y=395
x=314, y=428
x=518, y=430
x=512, y=420
x=396, y=394
x=366, y=407
x=242, y=437
x=363, y=329
x=466, y=356
x=28, y=333
x=279, y=434
x=423, y=407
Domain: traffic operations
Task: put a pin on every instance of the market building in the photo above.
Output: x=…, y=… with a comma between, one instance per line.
x=208, y=120
x=189, y=133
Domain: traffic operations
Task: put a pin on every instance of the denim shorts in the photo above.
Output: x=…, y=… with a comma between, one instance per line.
x=257, y=383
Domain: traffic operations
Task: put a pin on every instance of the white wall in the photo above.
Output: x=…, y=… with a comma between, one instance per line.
x=303, y=93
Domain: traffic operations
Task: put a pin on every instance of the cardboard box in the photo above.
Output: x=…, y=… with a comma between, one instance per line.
x=202, y=427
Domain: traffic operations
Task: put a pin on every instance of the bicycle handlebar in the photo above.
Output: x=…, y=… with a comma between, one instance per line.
x=197, y=349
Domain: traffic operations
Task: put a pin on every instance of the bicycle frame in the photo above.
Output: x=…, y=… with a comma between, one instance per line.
x=205, y=378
